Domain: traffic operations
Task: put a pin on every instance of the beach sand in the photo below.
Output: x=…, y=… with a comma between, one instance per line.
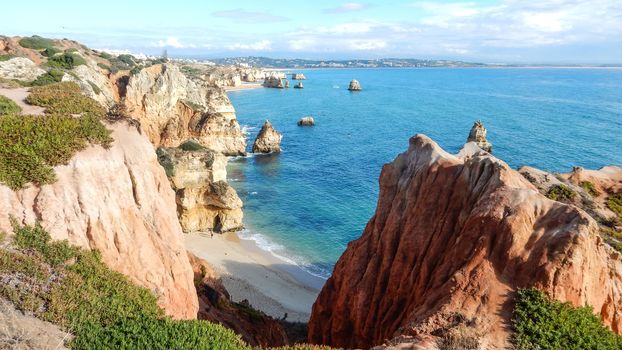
x=244, y=86
x=268, y=283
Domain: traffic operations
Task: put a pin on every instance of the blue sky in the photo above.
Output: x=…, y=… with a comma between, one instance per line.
x=545, y=31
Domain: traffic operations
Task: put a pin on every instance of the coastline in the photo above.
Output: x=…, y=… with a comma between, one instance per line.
x=244, y=86
x=269, y=284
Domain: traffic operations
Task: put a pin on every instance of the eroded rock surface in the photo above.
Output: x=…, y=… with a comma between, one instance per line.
x=274, y=82
x=355, y=85
x=306, y=121
x=478, y=135
x=20, y=68
x=268, y=140
x=453, y=237
x=118, y=201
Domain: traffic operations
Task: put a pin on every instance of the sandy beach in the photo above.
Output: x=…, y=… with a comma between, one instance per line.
x=244, y=86
x=268, y=283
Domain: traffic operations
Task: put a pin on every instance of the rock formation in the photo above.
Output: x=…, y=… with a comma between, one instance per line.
x=205, y=202
x=268, y=140
x=354, y=86
x=215, y=305
x=287, y=84
x=172, y=108
x=274, y=82
x=20, y=68
x=306, y=121
x=452, y=239
x=93, y=83
x=118, y=201
x=299, y=86
x=478, y=135
x=298, y=76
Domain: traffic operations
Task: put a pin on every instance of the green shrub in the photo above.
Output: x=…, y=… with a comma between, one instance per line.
x=49, y=52
x=101, y=307
x=36, y=42
x=52, y=76
x=70, y=50
x=614, y=203
x=190, y=145
x=104, y=66
x=95, y=88
x=64, y=98
x=8, y=106
x=543, y=323
x=66, y=61
x=589, y=188
x=6, y=57
x=105, y=55
x=560, y=193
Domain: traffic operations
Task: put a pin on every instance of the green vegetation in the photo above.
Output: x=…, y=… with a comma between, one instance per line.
x=543, y=323
x=459, y=340
x=49, y=52
x=612, y=237
x=8, y=106
x=104, y=66
x=6, y=57
x=614, y=203
x=74, y=289
x=190, y=71
x=36, y=42
x=560, y=193
x=52, y=76
x=589, y=188
x=31, y=145
x=191, y=145
x=105, y=55
x=95, y=88
x=66, y=61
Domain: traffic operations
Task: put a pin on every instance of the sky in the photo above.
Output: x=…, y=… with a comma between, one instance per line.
x=491, y=31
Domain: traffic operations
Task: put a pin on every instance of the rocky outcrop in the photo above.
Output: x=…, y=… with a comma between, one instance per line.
x=299, y=86
x=205, y=202
x=118, y=201
x=354, y=85
x=478, y=135
x=298, y=76
x=172, y=108
x=93, y=83
x=306, y=121
x=20, y=68
x=453, y=237
x=268, y=140
x=274, y=82
x=255, y=327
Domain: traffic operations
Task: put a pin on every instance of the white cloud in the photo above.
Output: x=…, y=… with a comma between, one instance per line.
x=172, y=42
x=263, y=45
x=347, y=7
x=245, y=16
x=366, y=45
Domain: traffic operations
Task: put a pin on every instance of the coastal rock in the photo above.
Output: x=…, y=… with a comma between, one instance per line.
x=287, y=84
x=268, y=140
x=478, y=135
x=306, y=121
x=205, y=202
x=20, y=68
x=118, y=201
x=93, y=83
x=215, y=304
x=299, y=86
x=453, y=238
x=354, y=86
x=172, y=108
x=274, y=82
x=298, y=76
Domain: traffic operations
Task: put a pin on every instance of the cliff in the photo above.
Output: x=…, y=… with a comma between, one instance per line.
x=119, y=201
x=452, y=239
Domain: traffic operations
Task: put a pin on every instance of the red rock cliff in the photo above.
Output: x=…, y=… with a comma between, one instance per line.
x=452, y=238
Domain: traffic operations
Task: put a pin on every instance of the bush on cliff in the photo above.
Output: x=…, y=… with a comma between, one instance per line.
x=73, y=288
x=543, y=323
x=8, y=106
x=51, y=77
x=36, y=42
x=64, y=98
x=614, y=203
x=66, y=61
x=560, y=193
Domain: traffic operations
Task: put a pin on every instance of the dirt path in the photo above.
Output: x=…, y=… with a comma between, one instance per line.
x=19, y=95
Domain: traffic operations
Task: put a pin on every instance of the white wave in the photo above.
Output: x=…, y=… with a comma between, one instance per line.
x=246, y=129
x=335, y=86
x=253, y=193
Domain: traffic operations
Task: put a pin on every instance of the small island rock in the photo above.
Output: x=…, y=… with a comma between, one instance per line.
x=478, y=135
x=355, y=85
x=274, y=82
x=268, y=140
x=298, y=76
x=306, y=121
x=299, y=86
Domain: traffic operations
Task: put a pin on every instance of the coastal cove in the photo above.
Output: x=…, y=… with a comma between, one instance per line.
x=305, y=204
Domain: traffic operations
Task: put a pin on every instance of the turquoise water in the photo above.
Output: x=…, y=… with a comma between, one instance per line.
x=307, y=203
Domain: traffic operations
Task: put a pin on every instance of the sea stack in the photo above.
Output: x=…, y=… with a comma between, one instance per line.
x=286, y=84
x=298, y=76
x=274, y=82
x=268, y=140
x=355, y=85
x=478, y=135
x=306, y=121
x=299, y=86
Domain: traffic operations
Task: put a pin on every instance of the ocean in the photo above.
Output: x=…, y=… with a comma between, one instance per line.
x=305, y=204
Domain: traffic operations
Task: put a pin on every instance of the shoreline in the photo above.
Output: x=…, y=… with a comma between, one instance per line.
x=244, y=86
x=270, y=284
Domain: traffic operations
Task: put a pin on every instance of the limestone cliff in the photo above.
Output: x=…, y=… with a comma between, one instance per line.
x=119, y=201
x=205, y=201
x=173, y=108
x=453, y=237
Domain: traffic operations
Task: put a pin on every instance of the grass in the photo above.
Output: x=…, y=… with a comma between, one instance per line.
x=95, y=88
x=560, y=193
x=36, y=42
x=542, y=323
x=6, y=57
x=50, y=51
x=104, y=66
x=52, y=76
x=31, y=145
x=66, y=61
x=459, y=340
x=589, y=188
x=73, y=288
x=614, y=203
x=8, y=106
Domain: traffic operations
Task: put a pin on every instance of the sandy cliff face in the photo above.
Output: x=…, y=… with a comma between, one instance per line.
x=118, y=201
x=452, y=238
x=173, y=108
